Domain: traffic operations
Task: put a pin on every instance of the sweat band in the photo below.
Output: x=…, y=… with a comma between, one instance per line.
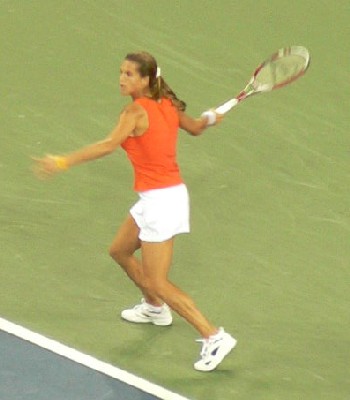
x=211, y=117
x=61, y=162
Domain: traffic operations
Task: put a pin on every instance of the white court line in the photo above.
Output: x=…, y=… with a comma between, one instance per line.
x=88, y=361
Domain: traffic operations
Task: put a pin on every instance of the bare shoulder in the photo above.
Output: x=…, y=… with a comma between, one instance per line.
x=134, y=109
x=137, y=115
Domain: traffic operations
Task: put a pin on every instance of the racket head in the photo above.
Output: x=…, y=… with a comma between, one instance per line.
x=282, y=68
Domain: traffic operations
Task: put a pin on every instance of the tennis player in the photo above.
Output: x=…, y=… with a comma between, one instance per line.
x=147, y=130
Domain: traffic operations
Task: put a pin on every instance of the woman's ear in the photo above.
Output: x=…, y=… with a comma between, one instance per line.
x=145, y=81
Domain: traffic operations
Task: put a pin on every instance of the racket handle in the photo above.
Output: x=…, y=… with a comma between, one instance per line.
x=226, y=107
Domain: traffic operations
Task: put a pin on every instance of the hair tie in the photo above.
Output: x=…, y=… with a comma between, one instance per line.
x=158, y=72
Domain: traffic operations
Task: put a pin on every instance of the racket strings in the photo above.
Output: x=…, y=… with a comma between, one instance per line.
x=280, y=71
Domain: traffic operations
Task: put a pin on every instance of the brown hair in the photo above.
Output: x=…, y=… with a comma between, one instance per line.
x=147, y=66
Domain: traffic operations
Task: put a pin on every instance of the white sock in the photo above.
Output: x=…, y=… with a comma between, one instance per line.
x=217, y=334
x=156, y=309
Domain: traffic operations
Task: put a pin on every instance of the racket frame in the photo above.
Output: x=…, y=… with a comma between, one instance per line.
x=252, y=89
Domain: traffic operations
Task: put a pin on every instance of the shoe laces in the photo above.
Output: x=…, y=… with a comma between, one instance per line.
x=207, y=342
x=142, y=305
x=205, y=346
x=145, y=307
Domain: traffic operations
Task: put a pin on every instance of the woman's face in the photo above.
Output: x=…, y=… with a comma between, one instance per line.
x=131, y=83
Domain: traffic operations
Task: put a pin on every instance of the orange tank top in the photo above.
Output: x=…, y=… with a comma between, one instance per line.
x=153, y=154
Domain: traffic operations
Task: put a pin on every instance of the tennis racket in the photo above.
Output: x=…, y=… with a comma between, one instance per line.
x=282, y=68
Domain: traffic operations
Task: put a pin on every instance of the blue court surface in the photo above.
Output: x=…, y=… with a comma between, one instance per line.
x=33, y=367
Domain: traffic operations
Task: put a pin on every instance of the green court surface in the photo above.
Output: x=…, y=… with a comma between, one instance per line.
x=268, y=255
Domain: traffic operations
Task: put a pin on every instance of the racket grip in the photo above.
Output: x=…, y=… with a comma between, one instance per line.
x=226, y=107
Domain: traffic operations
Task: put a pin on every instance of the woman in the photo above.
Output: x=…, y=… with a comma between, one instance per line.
x=147, y=130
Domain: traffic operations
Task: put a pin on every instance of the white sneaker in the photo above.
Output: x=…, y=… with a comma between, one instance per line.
x=142, y=314
x=214, y=350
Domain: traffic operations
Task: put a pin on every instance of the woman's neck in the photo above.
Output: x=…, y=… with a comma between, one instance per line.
x=146, y=93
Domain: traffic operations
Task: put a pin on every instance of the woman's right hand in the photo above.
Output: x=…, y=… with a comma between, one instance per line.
x=46, y=167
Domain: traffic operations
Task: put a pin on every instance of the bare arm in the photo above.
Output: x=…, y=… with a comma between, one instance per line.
x=128, y=122
x=124, y=128
x=195, y=126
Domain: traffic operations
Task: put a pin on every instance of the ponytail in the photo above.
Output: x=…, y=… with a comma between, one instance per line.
x=158, y=87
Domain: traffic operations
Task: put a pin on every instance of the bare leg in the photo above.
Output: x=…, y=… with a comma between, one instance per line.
x=122, y=250
x=151, y=276
x=156, y=262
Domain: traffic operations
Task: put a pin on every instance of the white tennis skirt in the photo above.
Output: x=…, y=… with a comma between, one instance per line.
x=162, y=213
